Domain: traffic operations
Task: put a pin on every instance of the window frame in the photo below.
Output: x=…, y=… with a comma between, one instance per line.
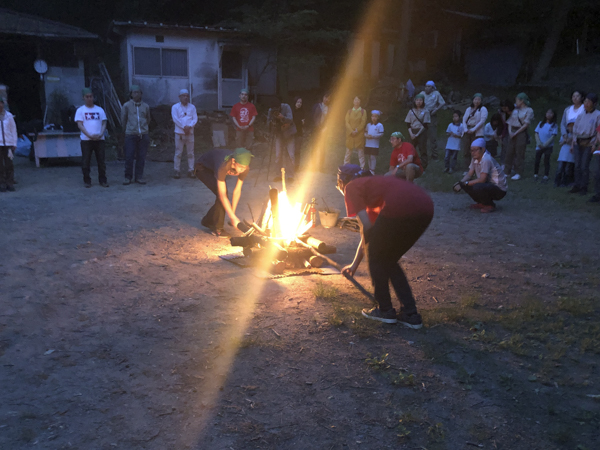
x=161, y=48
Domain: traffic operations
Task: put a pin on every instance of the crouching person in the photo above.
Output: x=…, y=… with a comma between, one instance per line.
x=490, y=182
x=404, y=162
x=392, y=214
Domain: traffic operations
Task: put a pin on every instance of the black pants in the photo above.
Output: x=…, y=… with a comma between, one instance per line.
x=545, y=152
x=136, y=147
x=215, y=217
x=484, y=193
x=387, y=241
x=565, y=174
x=87, y=148
x=420, y=144
x=7, y=168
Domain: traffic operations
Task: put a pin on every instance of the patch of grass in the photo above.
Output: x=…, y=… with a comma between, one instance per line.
x=436, y=432
x=577, y=306
x=403, y=379
x=325, y=291
x=377, y=364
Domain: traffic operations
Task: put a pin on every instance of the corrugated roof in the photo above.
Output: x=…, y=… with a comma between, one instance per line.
x=13, y=22
x=164, y=26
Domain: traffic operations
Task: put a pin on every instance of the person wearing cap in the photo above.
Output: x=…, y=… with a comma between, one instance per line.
x=8, y=145
x=373, y=133
x=490, y=182
x=473, y=125
x=281, y=122
x=417, y=120
x=404, y=161
x=584, y=142
x=356, y=120
x=185, y=119
x=433, y=103
x=212, y=168
x=392, y=215
x=518, y=123
x=243, y=114
x=135, y=118
x=91, y=120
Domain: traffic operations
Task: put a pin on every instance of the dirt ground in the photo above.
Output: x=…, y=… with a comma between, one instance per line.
x=120, y=327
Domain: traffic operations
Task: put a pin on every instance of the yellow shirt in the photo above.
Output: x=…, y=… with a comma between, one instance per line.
x=356, y=119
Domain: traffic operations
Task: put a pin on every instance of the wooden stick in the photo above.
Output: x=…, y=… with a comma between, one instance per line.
x=338, y=267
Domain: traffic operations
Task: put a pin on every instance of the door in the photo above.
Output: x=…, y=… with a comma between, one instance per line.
x=233, y=76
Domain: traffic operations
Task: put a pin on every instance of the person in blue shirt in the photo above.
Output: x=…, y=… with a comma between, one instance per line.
x=545, y=133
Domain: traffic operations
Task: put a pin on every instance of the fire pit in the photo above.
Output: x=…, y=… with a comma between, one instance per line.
x=279, y=242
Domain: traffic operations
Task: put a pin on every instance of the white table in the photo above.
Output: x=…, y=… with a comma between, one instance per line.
x=57, y=144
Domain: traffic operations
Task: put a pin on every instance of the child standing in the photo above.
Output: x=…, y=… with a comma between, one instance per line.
x=373, y=133
x=566, y=159
x=418, y=120
x=455, y=133
x=544, y=137
x=492, y=134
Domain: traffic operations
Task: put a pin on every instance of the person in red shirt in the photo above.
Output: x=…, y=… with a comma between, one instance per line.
x=243, y=114
x=392, y=214
x=404, y=162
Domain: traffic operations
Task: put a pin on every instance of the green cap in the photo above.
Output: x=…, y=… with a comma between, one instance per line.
x=134, y=87
x=397, y=134
x=86, y=91
x=478, y=95
x=245, y=91
x=421, y=96
x=523, y=96
x=241, y=156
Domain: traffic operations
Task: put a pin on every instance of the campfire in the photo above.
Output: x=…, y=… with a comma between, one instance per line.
x=279, y=241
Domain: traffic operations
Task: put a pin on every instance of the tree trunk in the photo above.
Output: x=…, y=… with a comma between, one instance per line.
x=560, y=12
x=401, y=60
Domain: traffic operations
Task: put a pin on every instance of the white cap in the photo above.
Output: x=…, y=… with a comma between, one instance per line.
x=430, y=83
x=183, y=91
x=376, y=112
x=479, y=142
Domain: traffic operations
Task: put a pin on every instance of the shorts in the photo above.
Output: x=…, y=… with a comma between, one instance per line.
x=372, y=151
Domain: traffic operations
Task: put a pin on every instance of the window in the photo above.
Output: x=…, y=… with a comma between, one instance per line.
x=160, y=62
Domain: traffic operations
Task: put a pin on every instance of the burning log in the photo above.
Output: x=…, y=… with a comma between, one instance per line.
x=320, y=246
x=316, y=261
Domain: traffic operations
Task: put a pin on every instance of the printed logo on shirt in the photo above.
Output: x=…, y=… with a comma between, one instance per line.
x=244, y=115
x=92, y=115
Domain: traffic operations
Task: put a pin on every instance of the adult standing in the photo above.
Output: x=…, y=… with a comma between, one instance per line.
x=91, y=120
x=404, y=161
x=185, y=119
x=8, y=144
x=571, y=113
x=356, y=121
x=243, y=114
x=320, y=112
x=433, y=103
x=518, y=122
x=135, y=119
x=584, y=142
x=473, y=124
x=299, y=114
x=281, y=118
x=392, y=215
x=212, y=169
x=490, y=182
x=418, y=120
x=505, y=111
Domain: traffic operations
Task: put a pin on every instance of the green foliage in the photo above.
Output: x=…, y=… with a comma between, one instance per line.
x=325, y=291
x=377, y=364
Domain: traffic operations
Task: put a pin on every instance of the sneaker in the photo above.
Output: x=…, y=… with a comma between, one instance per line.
x=488, y=209
x=516, y=177
x=105, y=184
x=594, y=199
x=376, y=314
x=446, y=170
x=177, y=175
x=535, y=178
x=476, y=206
x=140, y=181
x=413, y=321
x=126, y=182
x=545, y=179
x=10, y=188
x=574, y=190
x=191, y=174
x=88, y=185
x=450, y=171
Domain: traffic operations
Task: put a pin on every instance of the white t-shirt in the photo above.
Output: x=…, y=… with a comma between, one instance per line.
x=374, y=130
x=453, y=143
x=573, y=113
x=92, y=120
